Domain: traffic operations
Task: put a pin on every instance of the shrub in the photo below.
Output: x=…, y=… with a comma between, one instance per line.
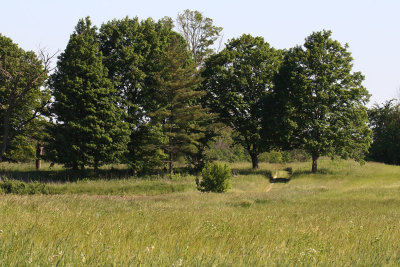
x=216, y=178
x=272, y=157
x=21, y=188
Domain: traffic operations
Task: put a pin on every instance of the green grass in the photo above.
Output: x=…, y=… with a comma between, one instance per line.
x=345, y=215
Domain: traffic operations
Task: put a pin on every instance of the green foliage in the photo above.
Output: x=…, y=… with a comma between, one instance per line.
x=21, y=149
x=385, y=125
x=215, y=178
x=23, y=97
x=199, y=33
x=236, y=79
x=22, y=188
x=318, y=103
x=89, y=129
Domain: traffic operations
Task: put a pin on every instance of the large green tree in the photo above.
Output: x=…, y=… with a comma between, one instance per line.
x=321, y=101
x=199, y=32
x=236, y=80
x=89, y=129
x=23, y=99
x=133, y=51
x=179, y=114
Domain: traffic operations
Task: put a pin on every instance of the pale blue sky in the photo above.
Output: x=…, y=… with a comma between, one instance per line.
x=370, y=27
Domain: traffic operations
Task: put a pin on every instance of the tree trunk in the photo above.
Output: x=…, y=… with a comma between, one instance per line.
x=6, y=128
x=254, y=160
x=75, y=166
x=39, y=153
x=314, y=163
x=171, y=164
x=96, y=165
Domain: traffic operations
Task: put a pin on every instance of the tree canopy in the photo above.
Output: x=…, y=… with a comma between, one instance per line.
x=321, y=100
x=199, y=32
x=236, y=80
x=23, y=98
x=133, y=51
x=136, y=91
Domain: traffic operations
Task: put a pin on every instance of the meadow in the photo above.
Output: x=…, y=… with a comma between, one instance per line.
x=347, y=214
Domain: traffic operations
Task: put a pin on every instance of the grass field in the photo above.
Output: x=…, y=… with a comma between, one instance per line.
x=345, y=215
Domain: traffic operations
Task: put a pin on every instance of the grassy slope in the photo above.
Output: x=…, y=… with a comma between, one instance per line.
x=345, y=215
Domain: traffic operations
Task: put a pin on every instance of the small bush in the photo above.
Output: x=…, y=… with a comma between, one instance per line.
x=21, y=188
x=216, y=178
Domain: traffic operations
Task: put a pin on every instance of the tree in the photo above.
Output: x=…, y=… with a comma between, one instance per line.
x=322, y=102
x=236, y=79
x=89, y=129
x=385, y=125
x=199, y=33
x=132, y=52
x=179, y=114
x=23, y=97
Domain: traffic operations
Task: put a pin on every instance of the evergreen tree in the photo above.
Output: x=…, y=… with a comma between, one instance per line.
x=179, y=114
x=89, y=129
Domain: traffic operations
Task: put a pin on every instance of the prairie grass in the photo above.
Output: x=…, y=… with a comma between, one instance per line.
x=344, y=215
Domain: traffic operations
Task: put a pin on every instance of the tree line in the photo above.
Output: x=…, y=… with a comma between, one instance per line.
x=150, y=93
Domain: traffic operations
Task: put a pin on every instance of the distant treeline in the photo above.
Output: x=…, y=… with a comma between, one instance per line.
x=150, y=94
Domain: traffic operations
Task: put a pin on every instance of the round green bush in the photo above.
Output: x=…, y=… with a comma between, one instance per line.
x=215, y=178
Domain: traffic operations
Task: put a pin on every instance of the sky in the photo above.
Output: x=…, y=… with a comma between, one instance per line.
x=370, y=27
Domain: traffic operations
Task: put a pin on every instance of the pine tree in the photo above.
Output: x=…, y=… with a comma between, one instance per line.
x=89, y=129
x=179, y=114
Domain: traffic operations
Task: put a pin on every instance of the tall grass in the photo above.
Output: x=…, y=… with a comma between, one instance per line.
x=345, y=215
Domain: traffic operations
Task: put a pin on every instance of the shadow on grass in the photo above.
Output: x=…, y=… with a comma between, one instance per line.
x=322, y=171
x=249, y=171
x=69, y=175
x=46, y=176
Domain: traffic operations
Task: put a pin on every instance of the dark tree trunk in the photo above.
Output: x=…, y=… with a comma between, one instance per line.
x=96, y=165
x=314, y=163
x=254, y=160
x=6, y=129
x=75, y=166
